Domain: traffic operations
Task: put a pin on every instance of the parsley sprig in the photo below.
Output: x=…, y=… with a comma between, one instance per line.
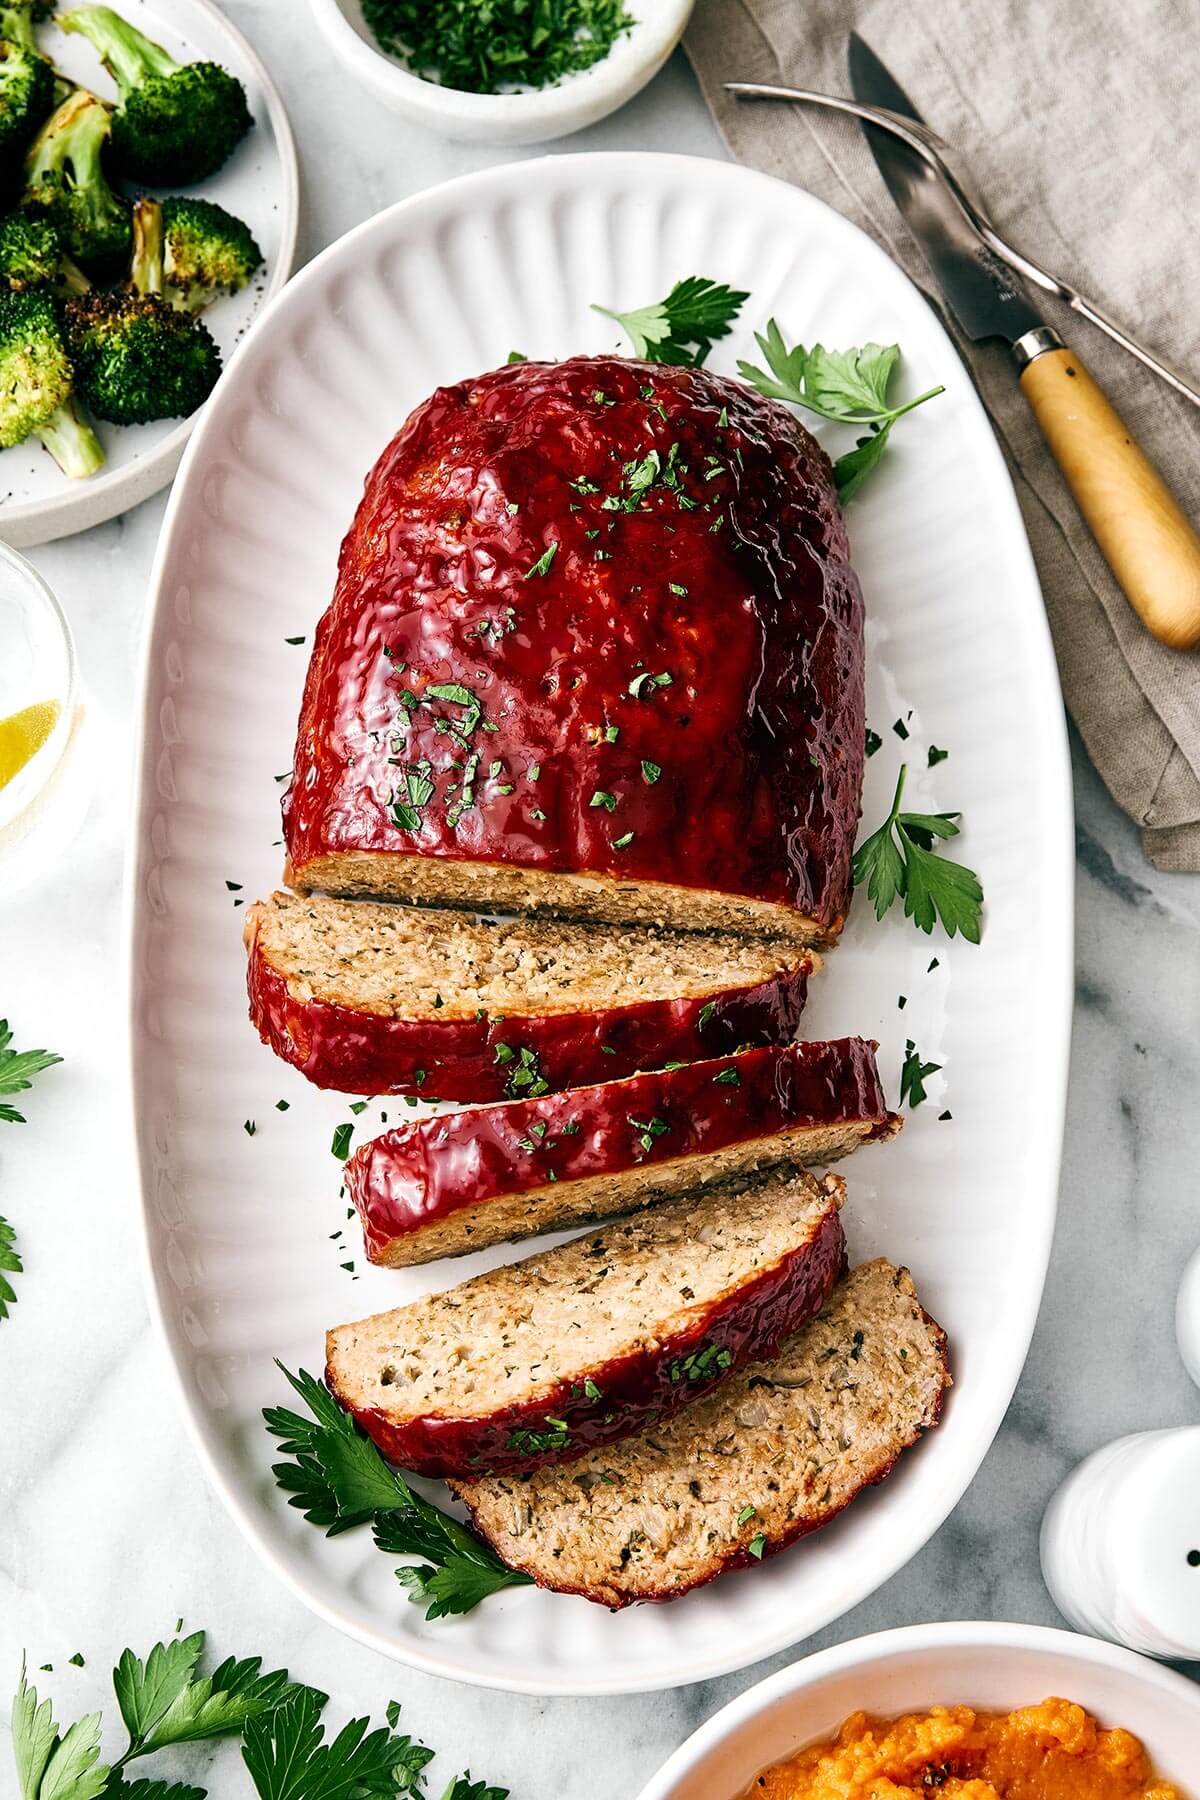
x=10, y=1264
x=163, y=1702
x=17, y=1069
x=847, y=386
x=339, y=1480
x=684, y=327
x=899, y=859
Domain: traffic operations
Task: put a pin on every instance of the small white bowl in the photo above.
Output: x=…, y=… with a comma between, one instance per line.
x=522, y=118
x=997, y=1667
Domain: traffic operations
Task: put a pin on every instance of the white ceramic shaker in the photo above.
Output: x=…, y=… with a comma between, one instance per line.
x=1121, y=1543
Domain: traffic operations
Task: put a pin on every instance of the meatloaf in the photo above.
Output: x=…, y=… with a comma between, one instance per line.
x=774, y=1452
x=375, y=999
x=587, y=1342
x=595, y=647
x=460, y=1181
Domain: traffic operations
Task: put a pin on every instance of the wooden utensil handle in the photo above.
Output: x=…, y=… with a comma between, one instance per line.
x=1148, y=543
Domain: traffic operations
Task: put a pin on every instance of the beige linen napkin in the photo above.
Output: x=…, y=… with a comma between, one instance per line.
x=1075, y=122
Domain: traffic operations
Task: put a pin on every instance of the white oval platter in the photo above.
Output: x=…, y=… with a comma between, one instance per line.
x=244, y=1256
x=260, y=183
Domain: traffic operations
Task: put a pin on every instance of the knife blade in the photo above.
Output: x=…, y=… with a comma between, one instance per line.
x=987, y=299
x=1146, y=538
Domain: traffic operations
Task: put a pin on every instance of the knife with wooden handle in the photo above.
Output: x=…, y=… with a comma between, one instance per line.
x=1147, y=540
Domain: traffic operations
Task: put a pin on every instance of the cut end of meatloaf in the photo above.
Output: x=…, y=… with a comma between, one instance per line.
x=373, y=998
x=402, y=963
x=776, y=1451
x=535, y=1362
x=462, y=1181
x=483, y=886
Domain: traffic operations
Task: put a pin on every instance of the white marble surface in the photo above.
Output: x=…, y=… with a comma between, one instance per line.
x=108, y=1530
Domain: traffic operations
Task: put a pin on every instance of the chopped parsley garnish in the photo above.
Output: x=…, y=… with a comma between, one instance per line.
x=706, y=1013
x=282, y=1105
x=728, y=1078
x=684, y=327
x=542, y=565
x=676, y=588
x=900, y=728
x=746, y=1514
x=514, y=356
x=647, y=682
x=525, y=1081
x=533, y=1443
x=936, y=756
x=623, y=842
x=340, y=1146
x=590, y=1390
x=360, y=1106
x=648, y=1130
x=872, y=741
x=611, y=733
x=490, y=49
x=899, y=859
x=912, y=1076
x=702, y=1364
x=249, y=1127
x=650, y=772
x=606, y=800
x=757, y=1545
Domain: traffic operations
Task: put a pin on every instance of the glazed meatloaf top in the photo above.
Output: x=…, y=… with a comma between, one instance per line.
x=595, y=647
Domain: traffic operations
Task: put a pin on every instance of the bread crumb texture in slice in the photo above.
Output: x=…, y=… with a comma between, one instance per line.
x=777, y=1450
x=375, y=998
x=460, y=1181
x=582, y=1345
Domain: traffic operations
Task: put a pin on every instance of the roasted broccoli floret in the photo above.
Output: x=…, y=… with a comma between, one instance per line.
x=176, y=122
x=26, y=94
x=31, y=255
x=136, y=358
x=191, y=251
x=36, y=380
x=65, y=183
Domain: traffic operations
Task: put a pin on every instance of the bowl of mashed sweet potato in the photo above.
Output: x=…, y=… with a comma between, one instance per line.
x=951, y=1712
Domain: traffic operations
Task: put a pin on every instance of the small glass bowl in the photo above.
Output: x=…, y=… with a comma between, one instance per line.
x=37, y=665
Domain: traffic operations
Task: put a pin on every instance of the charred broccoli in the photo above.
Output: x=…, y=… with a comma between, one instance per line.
x=36, y=380
x=31, y=255
x=65, y=183
x=191, y=251
x=136, y=358
x=175, y=122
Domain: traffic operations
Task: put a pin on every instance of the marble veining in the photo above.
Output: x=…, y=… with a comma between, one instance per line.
x=108, y=1529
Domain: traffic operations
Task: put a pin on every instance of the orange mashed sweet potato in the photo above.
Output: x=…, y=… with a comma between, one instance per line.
x=1054, y=1751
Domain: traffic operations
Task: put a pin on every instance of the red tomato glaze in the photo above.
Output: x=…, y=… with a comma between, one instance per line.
x=417, y=1173
x=596, y=616
x=627, y=1393
x=477, y=1058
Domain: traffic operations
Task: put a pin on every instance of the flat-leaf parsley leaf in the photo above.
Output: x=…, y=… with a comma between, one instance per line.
x=899, y=859
x=684, y=327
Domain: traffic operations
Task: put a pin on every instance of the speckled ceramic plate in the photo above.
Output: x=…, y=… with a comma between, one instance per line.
x=260, y=183
x=247, y=1235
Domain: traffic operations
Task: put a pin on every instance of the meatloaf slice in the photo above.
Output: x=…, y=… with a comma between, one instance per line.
x=595, y=648
x=460, y=1181
x=775, y=1452
x=377, y=999
x=585, y=1343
